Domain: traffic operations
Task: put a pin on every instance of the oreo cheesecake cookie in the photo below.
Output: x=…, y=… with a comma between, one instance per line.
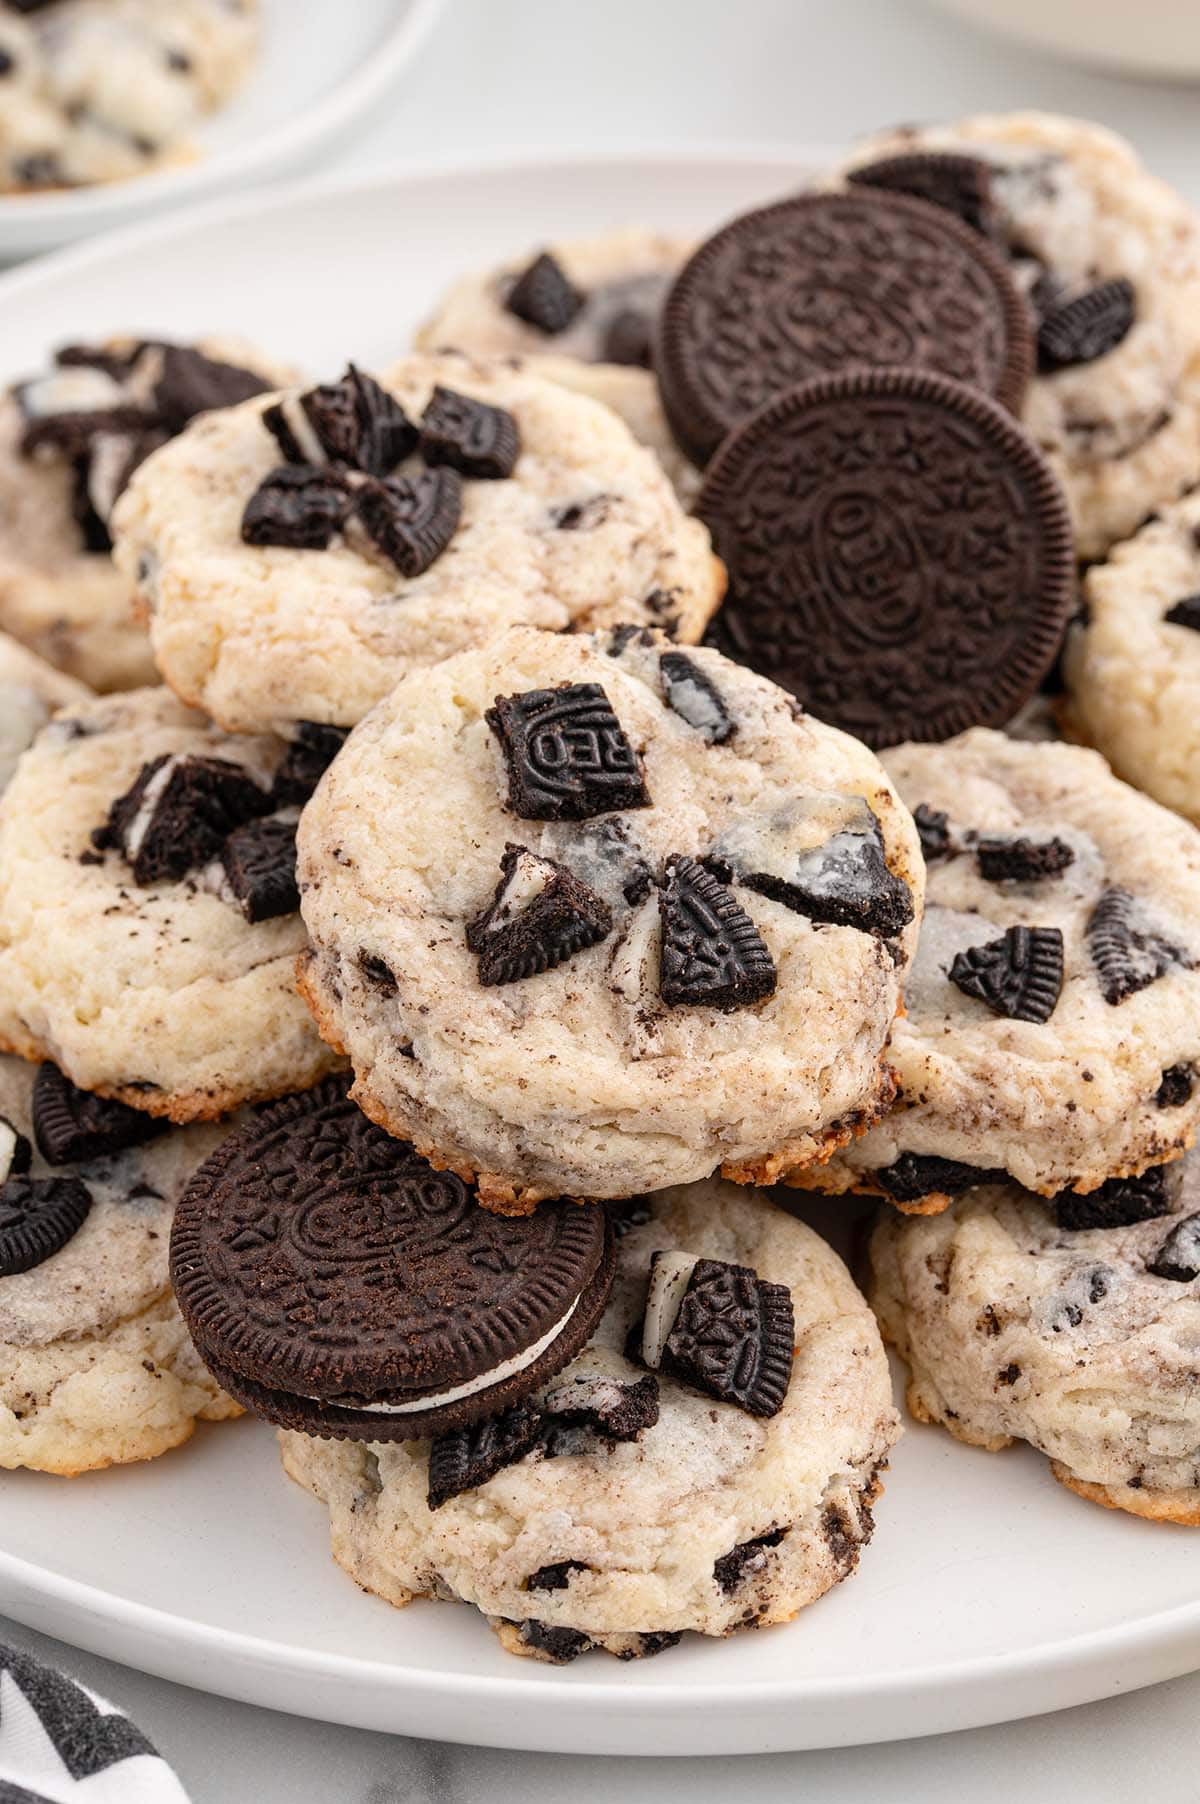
x=339, y=1285
x=590, y=913
x=1071, y=1325
x=296, y=558
x=70, y=438
x=96, y=1367
x=1052, y=1015
x=31, y=691
x=1108, y=258
x=724, y=1485
x=148, y=924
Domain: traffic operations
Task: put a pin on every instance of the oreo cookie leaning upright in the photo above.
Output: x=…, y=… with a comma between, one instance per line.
x=335, y=1283
x=828, y=282
x=900, y=554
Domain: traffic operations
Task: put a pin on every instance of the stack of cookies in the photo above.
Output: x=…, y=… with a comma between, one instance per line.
x=605, y=766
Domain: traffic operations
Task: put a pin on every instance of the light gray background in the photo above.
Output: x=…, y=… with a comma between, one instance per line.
x=563, y=74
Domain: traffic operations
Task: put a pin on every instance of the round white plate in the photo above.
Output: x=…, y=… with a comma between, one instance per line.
x=321, y=69
x=988, y=1592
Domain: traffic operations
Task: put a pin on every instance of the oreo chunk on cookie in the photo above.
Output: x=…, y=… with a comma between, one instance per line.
x=189, y=383
x=466, y=1458
x=745, y=1560
x=1087, y=327
x=1185, y=613
x=1116, y=1204
x=178, y=814
x=602, y=1407
x=305, y=762
x=713, y=955
x=1128, y=953
x=541, y=915
x=1022, y=860
x=470, y=436
x=411, y=519
x=296, y=506
x=720, y=1329
x=914, y=1176
x=1019, y=975
x=1175, y=1086
x=71, y=1125
x=567, y=754
x=260, y=868
x=354, y=422
x=1178, y=1258
x=845, y=882
x=38, y=1216
x=544, y=296
x=690, y=692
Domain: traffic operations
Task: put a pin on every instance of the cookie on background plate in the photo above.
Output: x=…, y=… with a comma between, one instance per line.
x=591, y=915
x=31, y=691
x=1073, y=1328
x=148, y=932
x=636, y=1504
x=96, y=1367
x=297, y=558
x=1052, y=1013
x=1109, y=259
x=1131, y=663
x=70, y=438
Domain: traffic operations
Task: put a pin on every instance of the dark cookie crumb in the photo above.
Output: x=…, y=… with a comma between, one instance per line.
x=916, y=1175
x=297, y=506
x=933, y=826
x=1127, y=952
x=260, y=866
x=1022, y=860
x=1178, y=1258
x=544, y=296
x=469, y=435
x=1019, y=976
x=1088, y=327
x=713, y=955
x=745, y=1560
x=559, y=1645
x=467, y=1457
x=411, y=519
x=1118, y=1203
x=555, y=1577
x=71, y=1125
x=1175, y=1087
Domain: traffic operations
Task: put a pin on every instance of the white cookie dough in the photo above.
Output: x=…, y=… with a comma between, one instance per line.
x=100, y=90
x=1075, y=204
x=96, y=1366
x=1132, y=675
x=652, y=1522
x=1074, y=1100
x=581, y=1080
x=31, y=691
x=163, y=995
x=263, y=636
x=1016, y=1329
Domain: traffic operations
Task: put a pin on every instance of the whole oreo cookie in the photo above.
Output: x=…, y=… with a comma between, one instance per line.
x=823, y=283
x=900, y=555
x=335, y=1283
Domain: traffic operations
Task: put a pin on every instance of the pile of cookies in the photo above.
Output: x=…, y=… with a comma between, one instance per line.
x=542, y=795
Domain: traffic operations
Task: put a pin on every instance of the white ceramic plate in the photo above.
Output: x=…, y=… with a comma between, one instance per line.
x=988, y=1593
x=321, y=70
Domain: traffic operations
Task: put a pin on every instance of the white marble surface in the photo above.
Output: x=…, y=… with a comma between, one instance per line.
x=569, y=73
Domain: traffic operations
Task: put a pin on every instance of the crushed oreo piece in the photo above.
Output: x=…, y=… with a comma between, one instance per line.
x=933, y=826
x=305, y=762
x=178, y=814
x=378, y=972
x=190, y=383
x=71, y=1125
x=1022, y=860
x=713, y=955
x=960, y=184
x=412, y=519
x=914, y=1175
x=1088, y=327
x=544, y=296
x=555, y=1577
x=581, y=516
x=298, y=506
x=745, y=1560
x=559, y=1645
x=103, y=475
x=603, y=1406
x=629, y=338
x=540, y=915
x=1118, y=1203
x=1019, y=975
x=469, y=435
x=15, y=1150
x=733, y=1337
x=356, y=422
x=1128, y=954
x=649, y=1643
x=38, y=1216
x=1175, y=1087
x=1178, y=1258
x=690, y=692
x=567, y=754
x=467, y=1457
x=260, y=867
x=1185, y=613
x=845, y=882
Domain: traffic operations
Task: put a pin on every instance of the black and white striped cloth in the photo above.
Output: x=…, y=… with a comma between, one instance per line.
x=61, y=1744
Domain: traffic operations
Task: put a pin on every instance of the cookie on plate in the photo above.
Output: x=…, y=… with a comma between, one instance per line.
x=1052, y=1013
x=1072, y=1327
x=1132, y=660
x=629, y=1503
x=296, y=559
x=31, y=691
x=148, y=931
x=1109, y=259
x=592, y=915
x=96, y=1367
x=69, y=440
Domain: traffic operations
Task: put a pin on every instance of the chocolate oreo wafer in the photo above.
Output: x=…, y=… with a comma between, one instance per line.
x=899, y=552
x=335, y=1283
x=824, y=283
